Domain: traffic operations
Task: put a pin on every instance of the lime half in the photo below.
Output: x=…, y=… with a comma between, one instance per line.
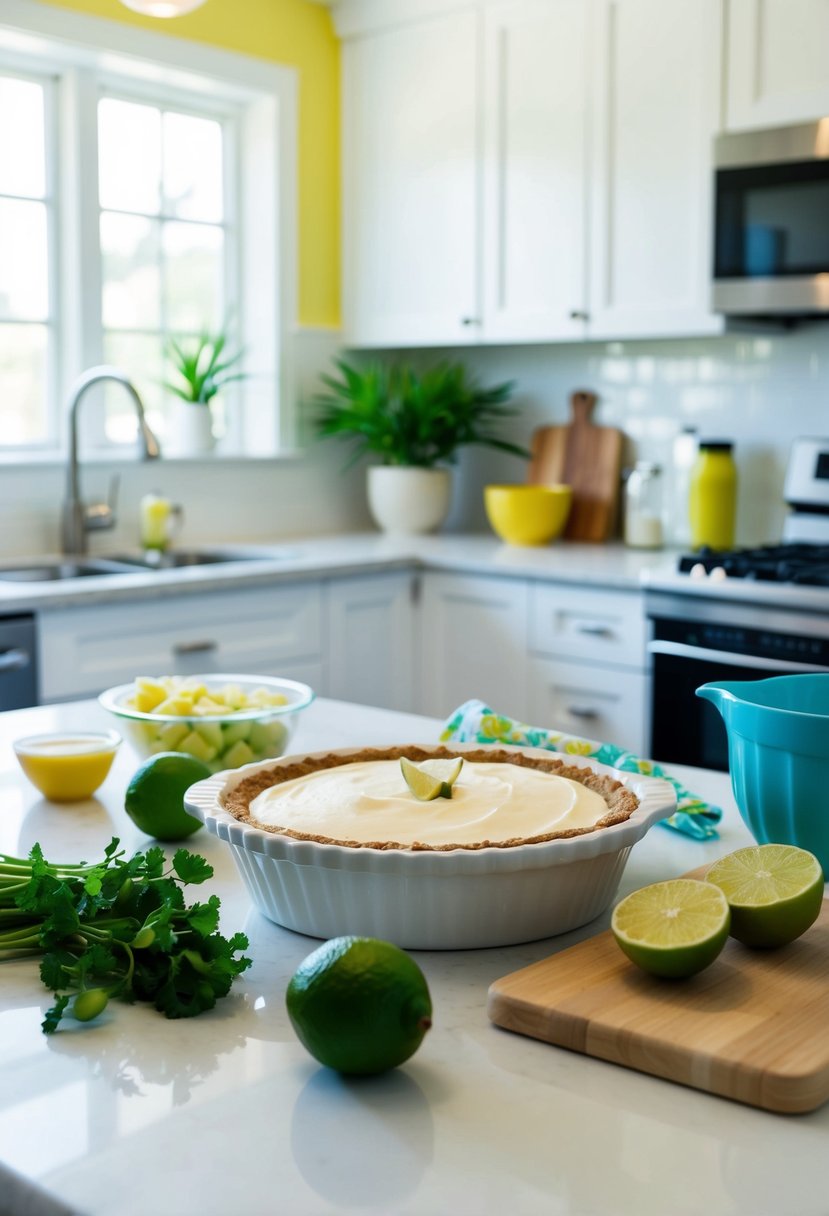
x=431, y=779
x=673, y=929
x=775, y=892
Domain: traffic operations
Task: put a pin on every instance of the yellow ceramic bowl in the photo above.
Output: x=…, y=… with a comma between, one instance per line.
x=527, y=515
x=67, y=766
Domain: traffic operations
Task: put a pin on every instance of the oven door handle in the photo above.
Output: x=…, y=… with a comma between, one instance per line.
x=680, y=650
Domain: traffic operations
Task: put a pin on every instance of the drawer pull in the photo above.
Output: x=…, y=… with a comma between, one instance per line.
x=195, y=647
x=584, y=712
x=595, y=631
x=14, y=660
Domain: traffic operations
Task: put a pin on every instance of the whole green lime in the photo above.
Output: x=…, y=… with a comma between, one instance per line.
x=359, y=1005
x=155, y=796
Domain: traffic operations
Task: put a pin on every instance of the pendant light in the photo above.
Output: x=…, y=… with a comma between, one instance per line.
x=162, y=8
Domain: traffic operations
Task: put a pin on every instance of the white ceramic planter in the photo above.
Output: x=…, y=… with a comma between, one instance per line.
x=407, y=500
x=191, y=430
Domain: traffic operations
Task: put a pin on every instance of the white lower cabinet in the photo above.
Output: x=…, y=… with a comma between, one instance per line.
x=273, y=631
x=370, y=640
x=473, y=643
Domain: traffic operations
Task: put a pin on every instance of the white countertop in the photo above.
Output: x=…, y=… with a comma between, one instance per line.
x=605, y=565
x=227, y=1115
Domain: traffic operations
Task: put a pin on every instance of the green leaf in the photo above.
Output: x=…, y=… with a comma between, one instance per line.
x=53, y=1016
x=190, y=867
x=204, y=918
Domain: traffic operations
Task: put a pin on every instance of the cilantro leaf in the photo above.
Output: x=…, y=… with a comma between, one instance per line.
x=204, y=918
x=190, y=867
x=53, y=1016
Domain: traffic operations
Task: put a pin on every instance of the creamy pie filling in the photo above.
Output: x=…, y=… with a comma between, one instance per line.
x=369, y=801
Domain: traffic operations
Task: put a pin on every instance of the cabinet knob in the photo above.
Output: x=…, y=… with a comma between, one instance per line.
x=470, y=320
x=578, y=314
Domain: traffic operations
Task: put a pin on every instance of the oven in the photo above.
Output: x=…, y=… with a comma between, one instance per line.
x=694, y=640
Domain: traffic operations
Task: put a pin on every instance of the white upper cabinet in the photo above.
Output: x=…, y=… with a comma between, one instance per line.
x=535, y=170
x=656, y=81
x=778, y=62
x=410, y=182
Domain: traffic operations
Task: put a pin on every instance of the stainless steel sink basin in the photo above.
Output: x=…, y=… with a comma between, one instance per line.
x=177, y=559
x=53, y=572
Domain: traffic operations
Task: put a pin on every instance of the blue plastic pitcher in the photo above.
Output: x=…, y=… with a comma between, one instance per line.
x=778, y=756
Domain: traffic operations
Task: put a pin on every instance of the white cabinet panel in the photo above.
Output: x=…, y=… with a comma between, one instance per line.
x=586, y=623
x=535, y=169
x=656, y=77
x=371, y=640
x=778, y=62
x=605, y=704
x=473, y=643
x=269, y=632
x=410, y=183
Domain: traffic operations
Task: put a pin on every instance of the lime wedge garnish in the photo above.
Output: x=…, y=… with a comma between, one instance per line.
x=432, y=778
x=775, y=892
x=673, y=929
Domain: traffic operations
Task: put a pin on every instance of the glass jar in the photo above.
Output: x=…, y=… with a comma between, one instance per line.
x=643, y=506
x=713, y=496
x=683, y=456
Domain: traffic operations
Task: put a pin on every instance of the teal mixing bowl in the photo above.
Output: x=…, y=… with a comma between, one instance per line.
x=778, y=755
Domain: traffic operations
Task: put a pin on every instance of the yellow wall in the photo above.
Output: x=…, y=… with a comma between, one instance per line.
x=300, y=34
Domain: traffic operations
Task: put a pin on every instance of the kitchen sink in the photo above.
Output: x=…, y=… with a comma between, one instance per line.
x=179, y=559
x=53, y=572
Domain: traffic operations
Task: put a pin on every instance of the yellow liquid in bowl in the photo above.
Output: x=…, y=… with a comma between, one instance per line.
x=67, y=768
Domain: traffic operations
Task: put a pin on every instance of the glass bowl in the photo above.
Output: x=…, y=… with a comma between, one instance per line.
x=222, y=738
x=69, y=765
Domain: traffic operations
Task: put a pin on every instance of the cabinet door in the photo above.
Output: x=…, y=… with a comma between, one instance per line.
x=535, y=170
x=606, y=704
x=371, y=641
x=601, y=626
x=410, y=183
x=259, y=632
x=657, y=82
x=473, y=643
x=778, y=62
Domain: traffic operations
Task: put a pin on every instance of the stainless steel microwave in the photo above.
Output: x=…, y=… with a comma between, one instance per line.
x=771, y=222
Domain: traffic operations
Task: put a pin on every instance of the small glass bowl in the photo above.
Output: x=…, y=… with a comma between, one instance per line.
x=69, y=765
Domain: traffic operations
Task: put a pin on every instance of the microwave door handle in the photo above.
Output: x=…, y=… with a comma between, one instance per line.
x=679, y=650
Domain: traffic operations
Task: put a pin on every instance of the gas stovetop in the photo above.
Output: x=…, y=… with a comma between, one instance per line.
x=799, y=563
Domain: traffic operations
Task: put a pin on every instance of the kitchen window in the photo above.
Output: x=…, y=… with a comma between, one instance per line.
x=146, y=189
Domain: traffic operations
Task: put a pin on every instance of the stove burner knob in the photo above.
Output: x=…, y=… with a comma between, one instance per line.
x=698, y=571
x=718, y=575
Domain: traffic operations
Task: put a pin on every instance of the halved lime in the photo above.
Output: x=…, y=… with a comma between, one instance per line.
x=431, y=779
x=674, y=928
x=775, y=892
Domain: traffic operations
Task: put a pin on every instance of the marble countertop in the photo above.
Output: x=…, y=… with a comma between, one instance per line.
x=610, y=566
x=227, y=1113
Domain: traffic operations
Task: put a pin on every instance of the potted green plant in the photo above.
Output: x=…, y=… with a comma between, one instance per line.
x=201, y=368
x=415, y=422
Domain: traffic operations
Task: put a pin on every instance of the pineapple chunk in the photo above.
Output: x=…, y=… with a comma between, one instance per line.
x=172, y=733
x=196, y=746
x=237, y=755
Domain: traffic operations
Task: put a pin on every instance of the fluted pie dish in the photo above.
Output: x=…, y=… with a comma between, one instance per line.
x=530, y=844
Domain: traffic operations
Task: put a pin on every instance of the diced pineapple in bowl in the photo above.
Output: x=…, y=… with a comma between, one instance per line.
x=224, y=720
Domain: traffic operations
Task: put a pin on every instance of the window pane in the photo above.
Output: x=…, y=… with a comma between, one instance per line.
x=140, y=357
x=24, y=277
x=193, y=276
x=129, y=154
x=22, y=150
x=23, y=361
x=193, y=168
x=131, y=275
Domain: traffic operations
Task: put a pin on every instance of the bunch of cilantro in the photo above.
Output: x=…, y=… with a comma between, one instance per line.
x=118, y=928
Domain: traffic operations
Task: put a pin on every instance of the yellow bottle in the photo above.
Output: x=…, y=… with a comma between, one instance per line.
x=712, y=505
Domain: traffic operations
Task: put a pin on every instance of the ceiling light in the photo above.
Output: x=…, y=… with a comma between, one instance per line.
x=162, y=8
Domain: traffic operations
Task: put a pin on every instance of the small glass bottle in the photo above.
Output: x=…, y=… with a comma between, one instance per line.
x=643, y=506
x=713, y=496
x=683, y=456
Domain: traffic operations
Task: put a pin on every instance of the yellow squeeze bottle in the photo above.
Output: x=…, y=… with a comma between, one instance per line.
x=155, y=521
x=712, y=505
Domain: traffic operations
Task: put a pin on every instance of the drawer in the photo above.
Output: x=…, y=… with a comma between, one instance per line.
x=583, y=623
x=84, y=650
x=606, y=704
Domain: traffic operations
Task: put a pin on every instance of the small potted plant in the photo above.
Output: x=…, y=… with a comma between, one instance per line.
x=201, y=369
x=415, y=423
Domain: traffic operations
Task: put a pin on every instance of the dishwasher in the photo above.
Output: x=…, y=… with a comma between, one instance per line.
x=18, y=663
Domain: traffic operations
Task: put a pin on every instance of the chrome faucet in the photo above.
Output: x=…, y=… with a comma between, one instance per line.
x=78, y=517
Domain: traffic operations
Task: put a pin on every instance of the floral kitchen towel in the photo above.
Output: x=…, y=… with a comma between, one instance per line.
x=475, y=722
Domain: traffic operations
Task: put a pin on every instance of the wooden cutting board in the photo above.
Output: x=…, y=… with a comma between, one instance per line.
x=586, y=457
x=754, y=1026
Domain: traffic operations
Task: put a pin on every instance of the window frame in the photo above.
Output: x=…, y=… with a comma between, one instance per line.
x=91, y=54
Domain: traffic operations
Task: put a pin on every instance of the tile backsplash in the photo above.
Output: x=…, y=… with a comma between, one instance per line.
x=762, y=390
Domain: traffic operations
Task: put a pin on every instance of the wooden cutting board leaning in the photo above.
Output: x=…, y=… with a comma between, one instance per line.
x=752, y=1027
x=586, y=457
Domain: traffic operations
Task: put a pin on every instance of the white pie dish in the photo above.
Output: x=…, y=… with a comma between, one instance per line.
x=431, y=900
